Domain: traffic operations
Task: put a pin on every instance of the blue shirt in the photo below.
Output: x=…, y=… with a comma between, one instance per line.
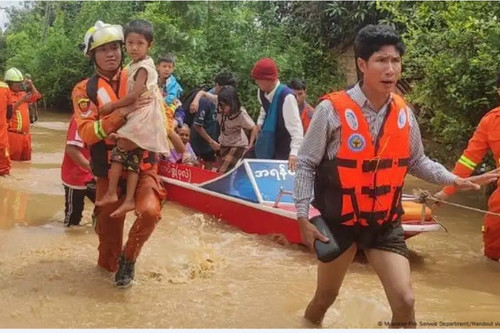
x=172, y=90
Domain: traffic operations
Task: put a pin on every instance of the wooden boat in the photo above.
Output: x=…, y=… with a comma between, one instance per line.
x=256, y=196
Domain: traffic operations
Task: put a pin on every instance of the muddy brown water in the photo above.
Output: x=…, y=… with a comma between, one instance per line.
x=196, y=272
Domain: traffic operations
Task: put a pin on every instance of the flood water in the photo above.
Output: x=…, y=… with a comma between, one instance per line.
x=196, y=272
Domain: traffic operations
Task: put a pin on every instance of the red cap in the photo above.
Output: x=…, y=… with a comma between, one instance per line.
x=265, y=69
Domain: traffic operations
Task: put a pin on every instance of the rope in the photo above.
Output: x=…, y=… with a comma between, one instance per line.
x=426, y=197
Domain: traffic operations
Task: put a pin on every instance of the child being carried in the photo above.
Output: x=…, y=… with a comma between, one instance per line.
x=145, y=127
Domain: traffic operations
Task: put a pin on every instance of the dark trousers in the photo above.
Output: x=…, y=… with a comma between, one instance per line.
x=74, y=203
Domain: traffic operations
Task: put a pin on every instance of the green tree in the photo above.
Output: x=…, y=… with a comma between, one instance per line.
x=452, y=59
x=3, y=52
x=207, y=37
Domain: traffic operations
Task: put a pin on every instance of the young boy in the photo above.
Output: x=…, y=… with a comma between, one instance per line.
x=298, y=87
x=170, y=88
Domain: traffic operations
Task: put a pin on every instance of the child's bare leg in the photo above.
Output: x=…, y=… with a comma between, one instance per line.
x=118, y=159
x=134, y=159
x=111, y=195
x=129, y=202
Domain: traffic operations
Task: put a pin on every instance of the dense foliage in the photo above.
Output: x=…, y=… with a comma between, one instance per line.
x=451, y=61
x=206, y=37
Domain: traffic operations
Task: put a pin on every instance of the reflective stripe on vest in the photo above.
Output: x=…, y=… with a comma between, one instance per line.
x=371, y=174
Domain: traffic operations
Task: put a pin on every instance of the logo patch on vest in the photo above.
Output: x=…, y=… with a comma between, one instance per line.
x=401, y=118
x=84, y=106
x=351, y=119
x=356, y=142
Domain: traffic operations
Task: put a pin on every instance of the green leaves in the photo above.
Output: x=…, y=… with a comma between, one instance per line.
x=452, y=60
x=206, y=37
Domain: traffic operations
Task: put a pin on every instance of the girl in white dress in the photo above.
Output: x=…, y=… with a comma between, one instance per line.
x=145, y=129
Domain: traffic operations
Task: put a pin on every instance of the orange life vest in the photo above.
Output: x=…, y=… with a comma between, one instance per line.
x=363, y=183
x=306, y=116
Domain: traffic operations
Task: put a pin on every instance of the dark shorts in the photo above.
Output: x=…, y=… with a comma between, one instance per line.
x=388, y=237
x=131, y=160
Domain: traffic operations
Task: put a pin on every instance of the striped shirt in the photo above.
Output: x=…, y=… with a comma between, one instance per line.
x=324, y=136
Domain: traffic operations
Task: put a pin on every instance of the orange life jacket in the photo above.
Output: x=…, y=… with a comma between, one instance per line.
x=363, y=183
x=306, y=116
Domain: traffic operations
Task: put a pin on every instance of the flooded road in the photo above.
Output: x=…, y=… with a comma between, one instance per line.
x=199, y=273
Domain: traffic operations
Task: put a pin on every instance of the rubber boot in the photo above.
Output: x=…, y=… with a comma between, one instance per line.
x=125, y=274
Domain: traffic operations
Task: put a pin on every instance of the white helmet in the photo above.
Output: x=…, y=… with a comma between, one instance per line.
x=13, y=75
x=100, y=34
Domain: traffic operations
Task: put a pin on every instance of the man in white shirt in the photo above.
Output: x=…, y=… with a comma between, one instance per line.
x=279, y=122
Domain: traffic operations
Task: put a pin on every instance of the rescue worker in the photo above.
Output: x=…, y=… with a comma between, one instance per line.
x=103, y=44
x=19, y=123
x=5, y=113
x=486, y=137
x=360, y=144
